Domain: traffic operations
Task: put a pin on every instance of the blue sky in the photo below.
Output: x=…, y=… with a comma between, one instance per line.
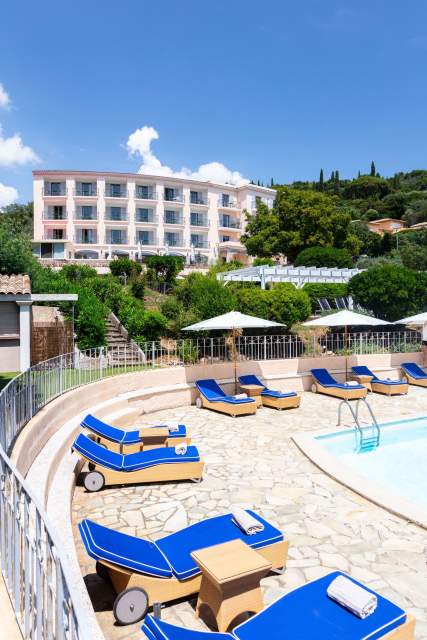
x=273, y=88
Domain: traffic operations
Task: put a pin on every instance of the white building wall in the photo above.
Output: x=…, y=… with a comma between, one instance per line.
x=241, y=197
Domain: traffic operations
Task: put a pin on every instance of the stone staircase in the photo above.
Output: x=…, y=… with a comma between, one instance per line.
x=122, y=350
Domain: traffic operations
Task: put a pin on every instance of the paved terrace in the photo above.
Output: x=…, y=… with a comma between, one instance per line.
x=252, y=462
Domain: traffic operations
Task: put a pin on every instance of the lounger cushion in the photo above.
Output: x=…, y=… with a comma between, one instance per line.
x=111, y=433
x=127, y=551
x=132, y=461
x=307, y=613
x=414, y=370
x=252, y=379
x=156, y=629
x=120, y=435
x=211, y=390
x=364, y=371
x=177, y=547
x=324, y=378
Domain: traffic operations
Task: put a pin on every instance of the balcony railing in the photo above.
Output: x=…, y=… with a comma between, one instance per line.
x=174, y=242
x=199, y=222
x=200, y=199
x=51, y=190
x=147, y=219
x=227, y=203
x=147, y=195
x=173, y=197
x=229, y=223
x=111, y=192
x=86, y=191
x=85, y=215
x=116, y=239
x=116, y=217
x=52, y=215
x=146, y=242
x=200, y=244
x=173, y=219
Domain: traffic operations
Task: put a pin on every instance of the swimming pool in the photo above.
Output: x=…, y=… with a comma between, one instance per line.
x=398, y=463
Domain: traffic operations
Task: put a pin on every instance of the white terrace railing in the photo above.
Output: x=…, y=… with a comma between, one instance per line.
x=32, y=562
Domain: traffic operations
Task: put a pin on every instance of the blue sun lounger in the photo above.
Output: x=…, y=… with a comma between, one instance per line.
x=129, y=441
x=155, y=465
x=165, y=570
x=271, y=398
x=325, y=383
x=213, y=397
x=388, y=387
x=414, y=374
x=306, y=613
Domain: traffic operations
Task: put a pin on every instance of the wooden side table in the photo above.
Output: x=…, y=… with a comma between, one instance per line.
x=154, y=437
x=253, y=391
x=362, y=379
x=231, y=574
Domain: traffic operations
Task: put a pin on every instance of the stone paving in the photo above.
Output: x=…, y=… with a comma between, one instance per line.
x=251, y=462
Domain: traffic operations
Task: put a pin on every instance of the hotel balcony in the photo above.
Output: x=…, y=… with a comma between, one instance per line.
x=116, y=190
x=55, y=234
x=86, y=236
x=145, y=193
x=226, y=202
x=229, y=222
x=86, y=190
x=146, y=239
x=54, y=190
x=116, y=214
x=54, y=214
x=116, y=236
x=197, y=220
x=173, y=195
x=86, y=213
x=145, y=216
x=173, y=240
x=173, y=217
x=198, y=198
x=199, y=244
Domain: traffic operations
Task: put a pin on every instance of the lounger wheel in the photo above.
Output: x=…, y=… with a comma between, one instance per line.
x=199, y=402
x=102, y=571
x=405, y=380
x=90, y=465
x=130, y=606
x=94, y=481
x=313, y=388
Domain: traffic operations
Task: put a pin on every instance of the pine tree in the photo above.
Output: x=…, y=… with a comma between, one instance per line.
x=373, y=170
x=321, y=181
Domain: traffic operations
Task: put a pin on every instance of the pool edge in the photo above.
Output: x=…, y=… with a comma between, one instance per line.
x=372, y=491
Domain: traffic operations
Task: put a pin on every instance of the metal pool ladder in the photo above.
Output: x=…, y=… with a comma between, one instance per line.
x=367, y=438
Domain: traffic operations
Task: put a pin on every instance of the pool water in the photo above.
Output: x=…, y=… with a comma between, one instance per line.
x=400, y=461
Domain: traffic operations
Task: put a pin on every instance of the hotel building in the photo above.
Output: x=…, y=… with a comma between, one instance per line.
x=87, y=215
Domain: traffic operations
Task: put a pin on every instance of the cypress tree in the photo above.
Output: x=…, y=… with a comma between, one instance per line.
x=321, y=181
x=337, y=176
x=332, y=178
x=358, y=174
x=373, y=170
x=272, y=182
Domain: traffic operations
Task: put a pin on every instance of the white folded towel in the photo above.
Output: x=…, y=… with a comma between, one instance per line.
x=173, y=428
x=352, y=383
x=350, y=595
x=246, y=522
x=181, y=449
x=240, y=396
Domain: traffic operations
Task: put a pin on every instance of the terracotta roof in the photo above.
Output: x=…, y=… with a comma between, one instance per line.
x=15, y=285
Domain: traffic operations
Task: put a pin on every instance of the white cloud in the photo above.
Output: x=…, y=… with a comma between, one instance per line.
x=139, y=143
x=7, y=195
x=4, y=98
x=14, y=152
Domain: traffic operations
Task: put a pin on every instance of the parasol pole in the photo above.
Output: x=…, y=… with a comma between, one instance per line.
x=233, y=333
x=345, y=351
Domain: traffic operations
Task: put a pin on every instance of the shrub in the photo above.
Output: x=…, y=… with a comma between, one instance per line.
x=125, y=266
x=258, y=262
x=137, y=287
x=77, y=272
x=205, y=296
x=283, y=303
x=153, y=326
x=90, y=320
x=324, y=257
x=389, y=291
x=163, y=269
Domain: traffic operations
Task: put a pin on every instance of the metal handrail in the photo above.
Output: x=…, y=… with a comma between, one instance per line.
x=374, y=420
x=355, y=418
x=355, y=415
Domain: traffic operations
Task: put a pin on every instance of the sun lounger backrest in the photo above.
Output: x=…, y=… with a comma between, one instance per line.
x=156, y=629
x=251, y=379
x=323, y=376
x=413, y=369
x=209, y=388
x=103, y=429
x=94, y=452
x=361, y=370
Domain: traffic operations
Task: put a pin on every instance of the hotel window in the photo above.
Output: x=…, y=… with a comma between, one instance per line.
x=57, y=234
x=86, y=188
x=197, y=198
x=117, y=236
x=169, y=194
x=87, y=213
x=197, y=219
x=116, y=213
x=225, y=199
x=58, y=212
x=172, y=239
x=115, y=190
x=172, y=216
x=225, y=239
x=144, y=192
x=144, y=237
x=55, y=188
x=144, y=215
x=87, y=236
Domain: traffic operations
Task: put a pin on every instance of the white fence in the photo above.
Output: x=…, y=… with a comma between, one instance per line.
x=31, y=558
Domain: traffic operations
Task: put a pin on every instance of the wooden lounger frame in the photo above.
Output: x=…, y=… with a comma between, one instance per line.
x=344, y=394
x=166, y=472
x=389, y=389
x=239, y=409
x=151, y=438
x=168, y=589
x=290, y=402
x=419, y=382
x=404, y=632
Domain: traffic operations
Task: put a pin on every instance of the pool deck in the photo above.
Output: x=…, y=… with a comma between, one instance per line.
x=252, y=462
